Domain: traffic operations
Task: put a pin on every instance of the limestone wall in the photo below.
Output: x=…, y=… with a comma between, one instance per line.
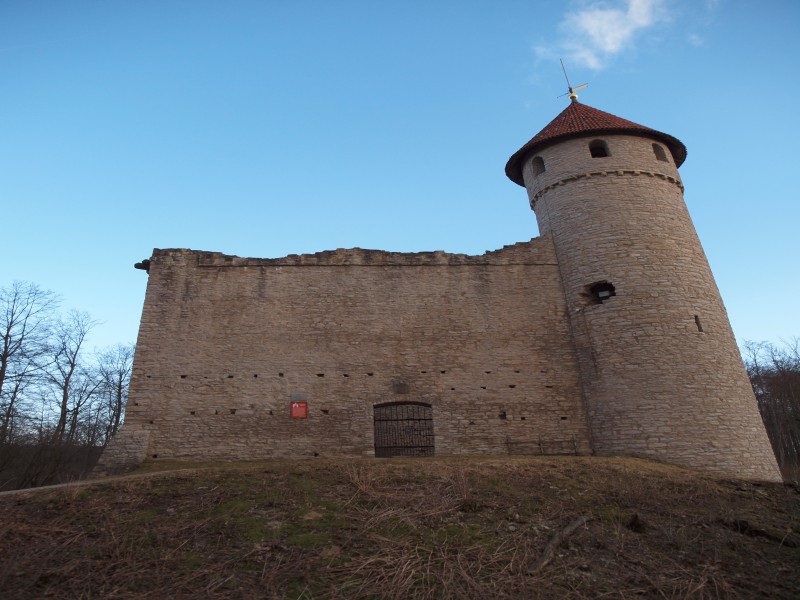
x=661, y=370
x=226, y=343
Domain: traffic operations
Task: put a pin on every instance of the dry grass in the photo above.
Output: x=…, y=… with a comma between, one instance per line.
x=398, y=529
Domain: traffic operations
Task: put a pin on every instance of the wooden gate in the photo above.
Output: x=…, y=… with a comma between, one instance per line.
x=403, y=429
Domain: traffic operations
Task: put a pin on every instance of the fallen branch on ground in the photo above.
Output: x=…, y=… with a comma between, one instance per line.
x=555, y=542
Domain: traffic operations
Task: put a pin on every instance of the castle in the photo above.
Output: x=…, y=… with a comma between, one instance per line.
x=604, y=335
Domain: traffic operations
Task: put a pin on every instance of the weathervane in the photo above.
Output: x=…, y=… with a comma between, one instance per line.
x=571, y=93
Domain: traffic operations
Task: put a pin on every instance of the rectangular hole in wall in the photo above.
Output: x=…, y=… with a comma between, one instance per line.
x=183, y=376
x=325, y=411
x=280, y=374
x=320, y=374
x=191, y=412
x=233, y=411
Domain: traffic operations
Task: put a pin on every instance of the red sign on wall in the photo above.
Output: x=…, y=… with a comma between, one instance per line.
x=298, y=410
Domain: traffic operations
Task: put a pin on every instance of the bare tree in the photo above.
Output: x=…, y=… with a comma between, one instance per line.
x=71, y=381
x=59, y=404
x=114, y=368
x=775, y=375
x=26, y=313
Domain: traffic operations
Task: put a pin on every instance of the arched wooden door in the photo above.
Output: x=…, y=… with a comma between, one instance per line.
x=403, y=429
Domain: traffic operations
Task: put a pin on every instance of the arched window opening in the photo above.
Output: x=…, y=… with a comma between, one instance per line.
x=599, y=149
x=538, y=165
x=659, y=152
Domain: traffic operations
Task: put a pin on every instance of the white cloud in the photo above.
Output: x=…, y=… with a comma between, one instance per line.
x=601, y=30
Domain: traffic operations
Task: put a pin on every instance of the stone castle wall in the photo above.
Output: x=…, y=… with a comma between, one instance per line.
x=227, y=343
x=513, y=351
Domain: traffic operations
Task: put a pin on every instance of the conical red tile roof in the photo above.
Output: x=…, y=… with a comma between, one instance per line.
x=579, y=120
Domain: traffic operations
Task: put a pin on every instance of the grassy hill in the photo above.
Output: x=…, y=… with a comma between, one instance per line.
x=517, y=527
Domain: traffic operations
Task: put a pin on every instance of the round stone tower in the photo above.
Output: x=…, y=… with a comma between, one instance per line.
x=661, y=372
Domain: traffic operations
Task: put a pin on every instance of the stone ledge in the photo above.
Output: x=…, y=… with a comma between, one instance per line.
x=616, y=172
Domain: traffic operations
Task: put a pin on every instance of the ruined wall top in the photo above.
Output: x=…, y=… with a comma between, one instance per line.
x=537, y=251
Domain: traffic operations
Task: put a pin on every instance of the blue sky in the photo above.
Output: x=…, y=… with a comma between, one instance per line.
x=270, y=128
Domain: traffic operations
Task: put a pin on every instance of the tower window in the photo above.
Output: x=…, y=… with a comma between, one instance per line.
x=538, y=165
x=659, y=152
x=698, y=324
x=601, y=291
x=598, y=149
